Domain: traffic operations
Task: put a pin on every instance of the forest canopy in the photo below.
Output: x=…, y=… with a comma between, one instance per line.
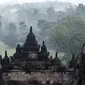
x=62, y=27
x=69, y=34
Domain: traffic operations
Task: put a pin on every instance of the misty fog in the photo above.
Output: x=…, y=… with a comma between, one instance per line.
x=16, y=19
x=44, y=17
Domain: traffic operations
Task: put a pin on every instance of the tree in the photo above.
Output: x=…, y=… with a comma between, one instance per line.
x=11, y=39
x=46, y=28
x=51, y=14
x=0, y=21
x=35, y=11
x=22, y=25
x=11, y=29
x=22, y=31
x=1, y=29
x=80, y=11
x=69, y=34
x=50, y=11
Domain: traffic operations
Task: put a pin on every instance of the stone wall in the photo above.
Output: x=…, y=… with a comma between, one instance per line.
x=39, y=76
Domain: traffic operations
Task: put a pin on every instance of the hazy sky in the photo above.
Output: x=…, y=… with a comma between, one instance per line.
x=23, y=1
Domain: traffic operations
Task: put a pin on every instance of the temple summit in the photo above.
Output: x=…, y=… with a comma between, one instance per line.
x=31, y=56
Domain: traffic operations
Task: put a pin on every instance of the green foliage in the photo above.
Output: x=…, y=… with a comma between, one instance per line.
x=50, y=11
x=11, y=38
x=69, y=34
x=78, y=11
x=22, y=25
